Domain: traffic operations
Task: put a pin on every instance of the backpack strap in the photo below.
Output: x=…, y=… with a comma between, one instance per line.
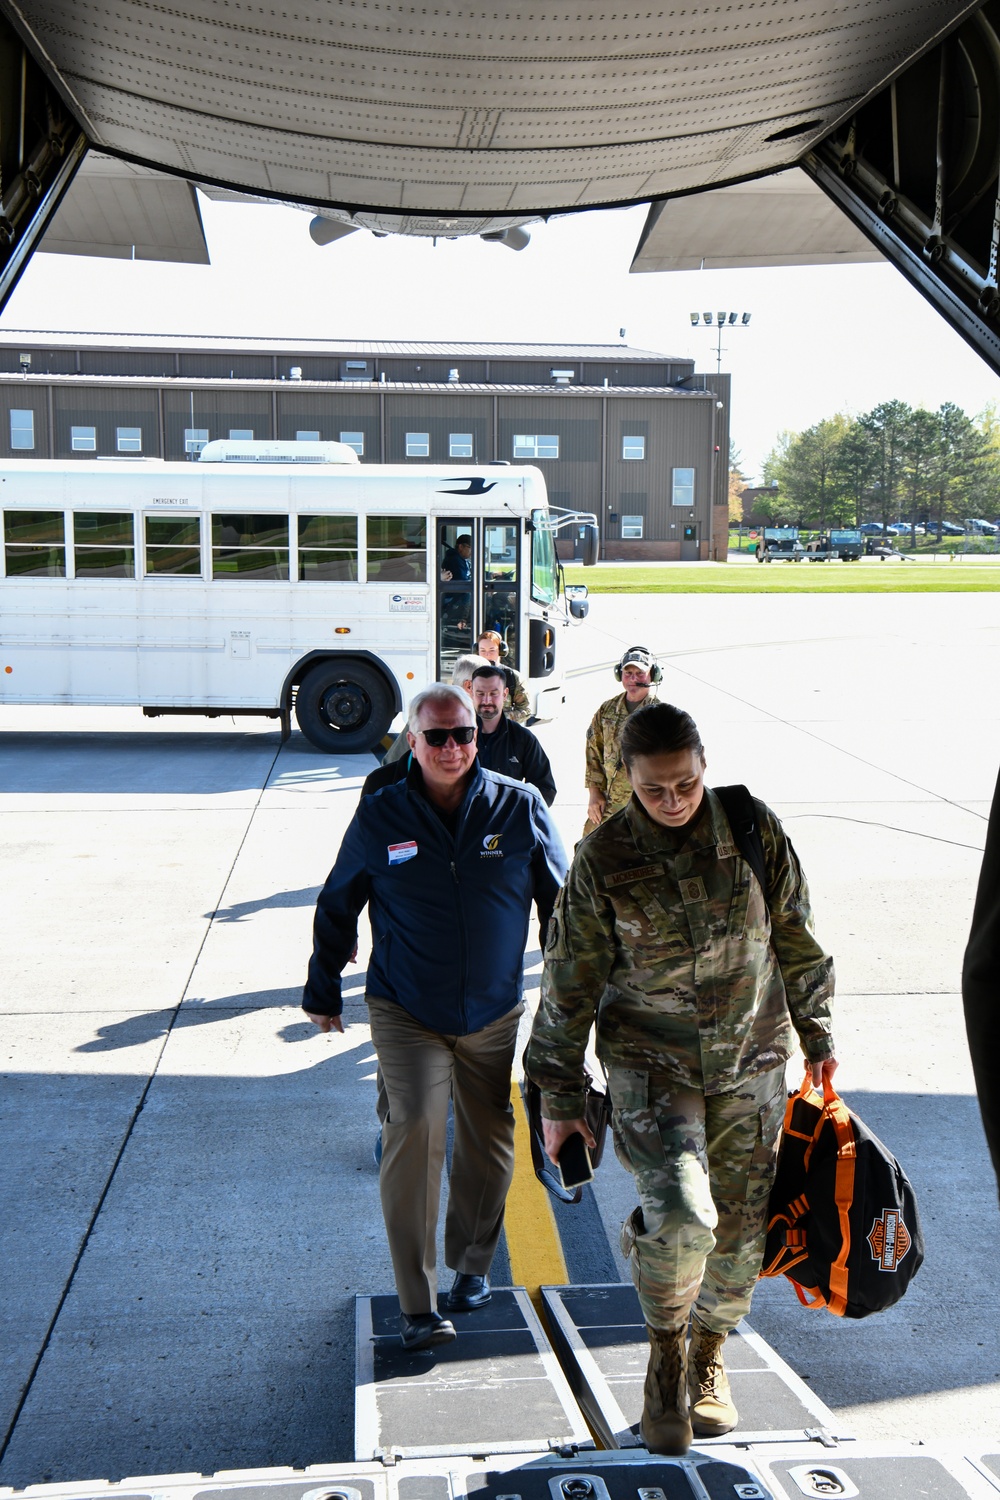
x=738, y=806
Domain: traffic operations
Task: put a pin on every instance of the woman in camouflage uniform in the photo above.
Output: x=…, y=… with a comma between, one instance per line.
x=492, y=648
x=698, y=985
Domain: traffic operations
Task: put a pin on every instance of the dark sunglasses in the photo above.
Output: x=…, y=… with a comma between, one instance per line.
x=462, y=734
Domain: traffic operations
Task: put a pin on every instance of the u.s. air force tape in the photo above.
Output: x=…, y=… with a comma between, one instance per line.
x=631, y=877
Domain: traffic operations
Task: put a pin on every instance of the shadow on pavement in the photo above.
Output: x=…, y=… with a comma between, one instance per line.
x=137, y=1030
x=210, y=1322
x=154, y=764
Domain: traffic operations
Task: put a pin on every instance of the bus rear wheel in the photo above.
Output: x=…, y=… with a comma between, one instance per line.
x=344, y=709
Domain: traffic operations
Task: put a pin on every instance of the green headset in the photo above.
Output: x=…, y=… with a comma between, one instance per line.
x=655, y=671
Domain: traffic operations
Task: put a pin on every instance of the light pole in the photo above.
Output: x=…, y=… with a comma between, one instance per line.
x=720, y=321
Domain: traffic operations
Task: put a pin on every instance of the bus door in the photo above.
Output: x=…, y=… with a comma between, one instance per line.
x=501, y=606
x=478, y=588
x=457, y=566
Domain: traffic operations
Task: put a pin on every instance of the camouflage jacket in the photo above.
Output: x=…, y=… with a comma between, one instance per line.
x=605, y=767
x=517, y=706
x=675, y=955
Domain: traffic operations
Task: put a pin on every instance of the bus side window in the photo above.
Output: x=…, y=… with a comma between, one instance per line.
x=173, y=546
x=103, y=544
x=397, y=549
x=328, y=549
x=34, y=543
x=249, y=546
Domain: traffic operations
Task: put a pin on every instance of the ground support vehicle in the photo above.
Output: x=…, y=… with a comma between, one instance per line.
x=848, y=546
x=780, y=544
x=268, y=577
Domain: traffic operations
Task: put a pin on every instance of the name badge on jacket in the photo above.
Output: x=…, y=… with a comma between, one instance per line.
x=399, y=853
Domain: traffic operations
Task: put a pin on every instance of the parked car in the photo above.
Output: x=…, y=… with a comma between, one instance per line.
x=873, y=528
x=948, y=528
x=780, y=544
x=904, y=527
x=981, y=528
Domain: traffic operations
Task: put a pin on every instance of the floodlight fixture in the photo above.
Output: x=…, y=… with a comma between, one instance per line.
x=721, y=320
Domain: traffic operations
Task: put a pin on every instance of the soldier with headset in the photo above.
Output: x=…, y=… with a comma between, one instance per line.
x=608, y=786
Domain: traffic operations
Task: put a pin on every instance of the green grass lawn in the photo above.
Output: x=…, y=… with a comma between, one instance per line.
x=963, y=576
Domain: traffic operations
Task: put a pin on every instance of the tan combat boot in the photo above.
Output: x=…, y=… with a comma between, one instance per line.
x=664, y=1426
x=712, y=1409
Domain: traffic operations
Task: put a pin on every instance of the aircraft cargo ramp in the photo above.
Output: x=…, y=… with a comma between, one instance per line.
x=494, y=1416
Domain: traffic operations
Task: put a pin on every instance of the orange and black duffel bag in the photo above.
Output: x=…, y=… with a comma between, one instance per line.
x=843, y=1224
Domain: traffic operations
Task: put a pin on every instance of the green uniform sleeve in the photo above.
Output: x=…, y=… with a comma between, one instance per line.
x=518, y=707
x=807, y=971
x=579, y=952
x=595, y=775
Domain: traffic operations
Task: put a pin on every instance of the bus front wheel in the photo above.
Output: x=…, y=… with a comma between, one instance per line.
x=344, y=709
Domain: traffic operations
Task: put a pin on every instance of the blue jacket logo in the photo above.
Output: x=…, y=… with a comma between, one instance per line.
x=491, y=847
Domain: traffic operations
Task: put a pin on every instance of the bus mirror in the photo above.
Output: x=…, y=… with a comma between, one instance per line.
x=576, y=598
x=591, y=546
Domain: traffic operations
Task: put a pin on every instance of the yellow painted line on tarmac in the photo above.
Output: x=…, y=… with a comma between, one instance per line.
x=533, y=1243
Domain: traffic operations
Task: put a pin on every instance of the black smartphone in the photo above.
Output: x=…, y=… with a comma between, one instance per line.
x=574, y=1162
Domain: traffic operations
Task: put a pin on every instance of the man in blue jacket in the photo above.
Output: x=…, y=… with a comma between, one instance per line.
x=449, y=861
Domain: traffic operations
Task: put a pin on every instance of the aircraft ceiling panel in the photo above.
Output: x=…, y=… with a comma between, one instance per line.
x=441, y=109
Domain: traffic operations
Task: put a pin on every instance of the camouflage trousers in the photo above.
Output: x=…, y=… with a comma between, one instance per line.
x=703, y=1168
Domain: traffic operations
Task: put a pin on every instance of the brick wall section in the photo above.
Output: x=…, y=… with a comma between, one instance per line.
x=619, y=551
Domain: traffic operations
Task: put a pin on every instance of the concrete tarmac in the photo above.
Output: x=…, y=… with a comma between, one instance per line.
x=190, y=1198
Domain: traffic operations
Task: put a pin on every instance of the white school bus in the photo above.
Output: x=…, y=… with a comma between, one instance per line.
x=268, y=578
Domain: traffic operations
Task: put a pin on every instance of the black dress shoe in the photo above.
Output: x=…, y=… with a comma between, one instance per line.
x=425, y=1329
x=468, y=1293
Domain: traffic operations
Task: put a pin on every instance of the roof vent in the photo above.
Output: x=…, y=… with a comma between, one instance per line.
x=222, y=451
x=563, y=377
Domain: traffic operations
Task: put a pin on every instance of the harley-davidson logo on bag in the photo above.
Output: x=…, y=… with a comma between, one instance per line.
x=889, y=1239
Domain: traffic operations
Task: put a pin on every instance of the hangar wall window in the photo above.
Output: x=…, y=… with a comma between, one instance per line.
x=83, y=439
x=195, y=439
x=309, y=437
x=633, y=447
x=418, y=444
x=683, y=487
x=535, y=445
x=22, y=429
x=631, y=528
x=241, y=434
x=355, y=440
x=129, y=439
x=460, y=445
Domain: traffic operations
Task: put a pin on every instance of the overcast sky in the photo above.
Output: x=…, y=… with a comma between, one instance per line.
x=820, y=339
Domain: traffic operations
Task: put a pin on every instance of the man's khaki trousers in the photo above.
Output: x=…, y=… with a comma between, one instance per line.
x=421, y=1071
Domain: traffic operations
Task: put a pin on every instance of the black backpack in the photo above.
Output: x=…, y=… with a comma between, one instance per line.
x=843, y=1224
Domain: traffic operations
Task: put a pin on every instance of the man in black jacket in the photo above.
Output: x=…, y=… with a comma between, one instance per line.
x=448, y=862
x=503, y=745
